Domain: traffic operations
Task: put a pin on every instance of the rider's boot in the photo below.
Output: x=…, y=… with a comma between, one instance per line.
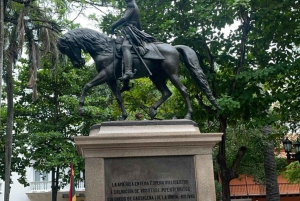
x=127, y=58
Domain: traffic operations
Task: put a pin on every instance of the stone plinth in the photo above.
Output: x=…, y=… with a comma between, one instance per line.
x=148, y=160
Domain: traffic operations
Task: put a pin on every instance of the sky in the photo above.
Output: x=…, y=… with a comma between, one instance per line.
x=83, y=19
x=87, y=23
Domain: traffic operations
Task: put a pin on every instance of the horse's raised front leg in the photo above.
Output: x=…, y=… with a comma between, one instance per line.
x=160, y=83
x=114, y=88
x=99, y=79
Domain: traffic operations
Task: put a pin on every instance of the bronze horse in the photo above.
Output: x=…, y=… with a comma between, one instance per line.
x=109, y=67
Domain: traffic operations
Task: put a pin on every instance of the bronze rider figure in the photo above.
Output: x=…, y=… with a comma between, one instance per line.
x=131, y=29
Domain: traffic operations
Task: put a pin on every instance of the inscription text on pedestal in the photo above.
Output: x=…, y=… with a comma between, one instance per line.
x=150, y=178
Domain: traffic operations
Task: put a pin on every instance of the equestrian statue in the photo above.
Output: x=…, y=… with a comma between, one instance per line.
x=135, y=55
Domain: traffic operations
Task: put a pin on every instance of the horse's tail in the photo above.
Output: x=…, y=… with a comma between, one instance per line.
x=191, y=61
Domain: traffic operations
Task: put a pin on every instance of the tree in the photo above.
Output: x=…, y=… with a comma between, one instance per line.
x=2, y=8
x=51, y=122
x=16, y=14
x=292, y=172
x=255, y=57
x=272, y=189
x=254, y=139
x=30, y=21
x=239, y=66
x=2, y=3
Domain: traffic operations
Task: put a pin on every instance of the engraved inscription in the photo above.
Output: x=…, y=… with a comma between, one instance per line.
x=150, y=178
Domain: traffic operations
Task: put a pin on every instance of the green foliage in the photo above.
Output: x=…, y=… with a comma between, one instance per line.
x=252, y=138
x=228, y=104
x=292, y=172
x=243, y=3
x=50, y=124
x=137, y=101
x=51, y=149
x=248, y=68
x=218, y=188
x=19, y=162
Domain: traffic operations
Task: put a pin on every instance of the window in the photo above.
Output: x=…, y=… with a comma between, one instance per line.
x=40, y=176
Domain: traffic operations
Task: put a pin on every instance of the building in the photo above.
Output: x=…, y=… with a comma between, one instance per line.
x=39, y=188
x=245, y=189
x=241, y=189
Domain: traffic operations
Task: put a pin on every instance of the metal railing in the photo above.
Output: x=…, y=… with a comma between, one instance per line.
x=40, y=186
x=45, y=186
x=260, y=189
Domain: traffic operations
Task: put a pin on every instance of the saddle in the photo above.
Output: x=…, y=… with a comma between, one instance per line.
x=152, y=53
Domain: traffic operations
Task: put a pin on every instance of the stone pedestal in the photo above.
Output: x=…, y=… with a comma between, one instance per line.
x=148, y=160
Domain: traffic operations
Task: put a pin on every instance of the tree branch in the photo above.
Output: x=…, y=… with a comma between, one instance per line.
x=245, y=29
x=241, y=152
x=48, y=27
x=54, y=27
x=210, y=59
x=103, y=4
x=26, y=2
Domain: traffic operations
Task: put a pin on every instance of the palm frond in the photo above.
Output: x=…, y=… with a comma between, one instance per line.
x=21, y=29
x=44, y=38
x=34, y=55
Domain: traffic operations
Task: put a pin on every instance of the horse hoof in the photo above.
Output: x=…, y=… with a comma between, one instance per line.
x=188, y=117
x=121, y=119
x=152, y=112
x=81, y=112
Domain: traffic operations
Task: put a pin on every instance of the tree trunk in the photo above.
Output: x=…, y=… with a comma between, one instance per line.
x=54, y=186
x=55, y=174
x=272, y=189
x=227, y=174
x=9, y=129
x=225, y=183
x=222, y=162
x=1, y=49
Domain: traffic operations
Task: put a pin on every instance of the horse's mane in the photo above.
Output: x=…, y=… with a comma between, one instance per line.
x=87, y=39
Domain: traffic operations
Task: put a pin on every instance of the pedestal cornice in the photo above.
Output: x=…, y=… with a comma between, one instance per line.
x=146, y=138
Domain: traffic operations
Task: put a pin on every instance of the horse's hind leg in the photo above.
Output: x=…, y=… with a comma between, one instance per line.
x=114, y=88
x=183, y=90
x=160, y=83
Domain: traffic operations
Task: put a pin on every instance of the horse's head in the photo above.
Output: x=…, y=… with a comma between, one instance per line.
x=72, y=51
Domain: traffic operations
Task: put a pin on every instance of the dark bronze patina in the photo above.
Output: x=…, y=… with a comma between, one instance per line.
x=134, y=38
x=109, y=66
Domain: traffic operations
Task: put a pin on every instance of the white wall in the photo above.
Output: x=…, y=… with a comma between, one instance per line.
x=17, y=190
x=20, y=193
x=1, y=190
